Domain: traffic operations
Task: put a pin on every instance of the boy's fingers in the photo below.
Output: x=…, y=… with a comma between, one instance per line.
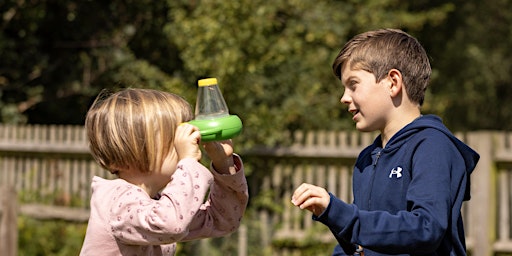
x=301, y=194
x=309, y=202
x=298, y=191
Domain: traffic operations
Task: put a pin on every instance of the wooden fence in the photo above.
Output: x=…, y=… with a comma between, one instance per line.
x=50, y=168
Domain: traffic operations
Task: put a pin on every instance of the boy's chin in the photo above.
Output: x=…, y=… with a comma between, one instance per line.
x=363, y=128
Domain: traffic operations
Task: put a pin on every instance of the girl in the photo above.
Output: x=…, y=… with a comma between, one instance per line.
x=158, y=198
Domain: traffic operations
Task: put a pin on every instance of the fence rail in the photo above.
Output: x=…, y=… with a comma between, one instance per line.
x=51, y=166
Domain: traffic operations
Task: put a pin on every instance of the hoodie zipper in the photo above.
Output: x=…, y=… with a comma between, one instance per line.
x=372, y=179
x=376, y=159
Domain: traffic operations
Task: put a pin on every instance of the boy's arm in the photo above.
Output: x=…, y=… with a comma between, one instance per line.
x=430, y=197
x=317, y=200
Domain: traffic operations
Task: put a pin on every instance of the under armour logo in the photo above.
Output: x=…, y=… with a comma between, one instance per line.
x=396, y=171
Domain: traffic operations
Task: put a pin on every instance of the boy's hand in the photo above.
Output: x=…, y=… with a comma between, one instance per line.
x=221, y=154
x=312, y=198
x=186, y=142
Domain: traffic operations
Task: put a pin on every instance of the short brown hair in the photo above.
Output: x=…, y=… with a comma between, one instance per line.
x=381, y=50
x=134, y=128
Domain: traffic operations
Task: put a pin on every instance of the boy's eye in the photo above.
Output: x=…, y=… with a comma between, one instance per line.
x=352, y=84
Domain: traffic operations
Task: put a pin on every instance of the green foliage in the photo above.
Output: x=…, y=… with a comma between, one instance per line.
x=140, y=73
x=49, y=238
x=229, y=244
x=257, y=51
x=272, y=59
x=62, y=53
x=472, y=60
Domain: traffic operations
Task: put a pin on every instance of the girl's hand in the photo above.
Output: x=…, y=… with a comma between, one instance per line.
x=312, y=198
x=221, y=154
x=186, y=142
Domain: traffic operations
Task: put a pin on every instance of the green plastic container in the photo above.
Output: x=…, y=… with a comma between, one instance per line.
x=221, y=128
x=212, y=114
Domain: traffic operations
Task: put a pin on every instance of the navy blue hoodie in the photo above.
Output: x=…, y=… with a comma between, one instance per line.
x=407, y=195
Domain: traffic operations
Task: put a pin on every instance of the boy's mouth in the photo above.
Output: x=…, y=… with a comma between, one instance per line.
x=353, y=111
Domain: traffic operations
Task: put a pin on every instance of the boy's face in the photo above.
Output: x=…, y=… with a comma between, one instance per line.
x=368, y=101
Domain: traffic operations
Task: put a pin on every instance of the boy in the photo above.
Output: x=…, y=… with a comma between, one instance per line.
x=409, y=185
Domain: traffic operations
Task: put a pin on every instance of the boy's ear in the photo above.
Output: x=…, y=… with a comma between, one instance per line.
x=396, y=86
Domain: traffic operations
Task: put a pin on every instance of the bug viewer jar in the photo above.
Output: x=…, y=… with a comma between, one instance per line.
x=212, y=115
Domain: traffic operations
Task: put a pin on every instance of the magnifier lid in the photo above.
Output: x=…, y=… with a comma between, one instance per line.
x=207, y=82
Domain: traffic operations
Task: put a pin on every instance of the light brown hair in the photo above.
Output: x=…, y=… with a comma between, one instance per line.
x=381, y=50
x=134, y=128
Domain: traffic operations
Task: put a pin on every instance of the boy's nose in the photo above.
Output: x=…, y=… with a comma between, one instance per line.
x=345, y=99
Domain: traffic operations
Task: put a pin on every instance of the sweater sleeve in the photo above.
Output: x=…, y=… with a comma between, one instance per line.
x=135, y=218
x=222, y=212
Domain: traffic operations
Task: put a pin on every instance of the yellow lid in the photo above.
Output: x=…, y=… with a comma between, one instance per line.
x=207, y=82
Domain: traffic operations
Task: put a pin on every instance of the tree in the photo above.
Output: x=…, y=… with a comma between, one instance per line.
x=471, y=87
x=273, y=59
x=59, y=54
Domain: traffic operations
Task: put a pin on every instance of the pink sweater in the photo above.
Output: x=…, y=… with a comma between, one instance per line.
x=124, y=220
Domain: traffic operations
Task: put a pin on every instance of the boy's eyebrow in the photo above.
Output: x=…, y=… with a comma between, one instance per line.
x=344, y=81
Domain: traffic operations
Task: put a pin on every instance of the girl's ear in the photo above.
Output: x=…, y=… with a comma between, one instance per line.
x=396, y=86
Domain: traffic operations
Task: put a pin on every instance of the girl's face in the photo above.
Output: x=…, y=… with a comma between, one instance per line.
x=368, y=101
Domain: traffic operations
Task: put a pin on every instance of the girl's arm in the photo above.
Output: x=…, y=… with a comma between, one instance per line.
x=135, y=218
x=221, y=214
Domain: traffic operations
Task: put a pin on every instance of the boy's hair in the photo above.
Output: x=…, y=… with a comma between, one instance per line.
x=381, y=50
x=134, y=128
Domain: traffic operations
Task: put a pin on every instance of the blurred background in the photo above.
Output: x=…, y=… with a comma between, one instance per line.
x=272, y=60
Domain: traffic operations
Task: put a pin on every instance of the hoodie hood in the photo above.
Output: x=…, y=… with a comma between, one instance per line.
x=470, y=156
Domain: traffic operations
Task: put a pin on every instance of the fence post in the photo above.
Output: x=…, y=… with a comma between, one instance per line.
x=483, y=198
x=242, y=240
x=8, y=221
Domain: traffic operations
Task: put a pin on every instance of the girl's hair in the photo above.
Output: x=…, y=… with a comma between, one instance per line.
x=134, y=128
x=381, y=50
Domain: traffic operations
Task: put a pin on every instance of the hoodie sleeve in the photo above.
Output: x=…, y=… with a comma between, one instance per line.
x=433, y=196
